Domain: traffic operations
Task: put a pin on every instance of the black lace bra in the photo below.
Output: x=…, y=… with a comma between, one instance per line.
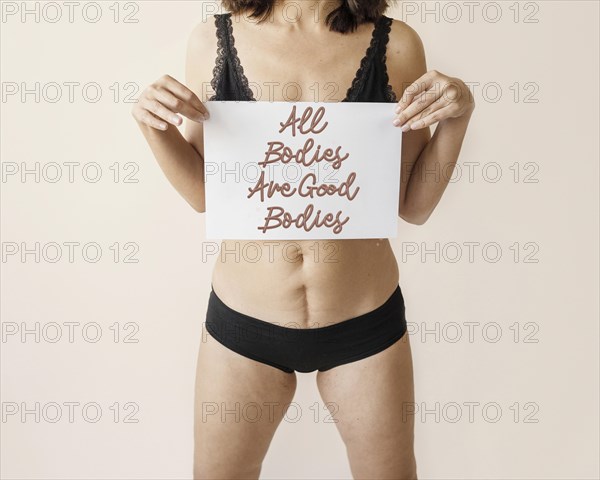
x=370, y=84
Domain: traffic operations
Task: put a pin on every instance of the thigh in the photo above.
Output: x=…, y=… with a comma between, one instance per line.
x=239, y=403
x=370, y=399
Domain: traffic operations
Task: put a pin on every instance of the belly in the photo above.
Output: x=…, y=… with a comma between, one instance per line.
x=307, y=283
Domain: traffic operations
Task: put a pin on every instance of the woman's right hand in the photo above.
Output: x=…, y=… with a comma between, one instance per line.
x=161, y=101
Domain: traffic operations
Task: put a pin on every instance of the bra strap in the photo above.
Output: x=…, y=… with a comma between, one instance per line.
x=227, y=56
x=222, y=55
x=384, y=27
x=382, y=34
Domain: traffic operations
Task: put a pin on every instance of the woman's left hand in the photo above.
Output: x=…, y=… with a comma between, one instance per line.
x=432, y=98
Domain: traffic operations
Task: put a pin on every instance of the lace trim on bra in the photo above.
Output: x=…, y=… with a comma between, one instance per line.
x=219, y=62
x=360, y=75
x=226, y=50
x=389, y=92
x=378, y=45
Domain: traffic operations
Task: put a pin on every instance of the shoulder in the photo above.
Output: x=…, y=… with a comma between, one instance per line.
x=201, y=52
x=405, y=55
x=203, y=35
x=403, y=37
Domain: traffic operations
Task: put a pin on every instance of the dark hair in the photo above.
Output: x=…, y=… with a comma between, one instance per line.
x=345, y=18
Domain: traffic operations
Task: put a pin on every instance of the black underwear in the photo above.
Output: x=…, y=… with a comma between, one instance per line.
x=307, y=349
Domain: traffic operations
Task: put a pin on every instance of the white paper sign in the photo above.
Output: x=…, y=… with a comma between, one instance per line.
x=303, y=170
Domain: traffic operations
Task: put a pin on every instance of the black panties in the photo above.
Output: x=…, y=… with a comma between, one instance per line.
x=308, y=349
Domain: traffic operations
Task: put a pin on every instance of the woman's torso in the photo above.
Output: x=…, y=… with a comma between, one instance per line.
x=303, y=283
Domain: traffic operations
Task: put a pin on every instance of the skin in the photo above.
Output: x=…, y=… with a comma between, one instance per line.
x=317, y=283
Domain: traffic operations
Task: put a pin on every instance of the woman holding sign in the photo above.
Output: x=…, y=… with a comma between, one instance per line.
x=335, y=306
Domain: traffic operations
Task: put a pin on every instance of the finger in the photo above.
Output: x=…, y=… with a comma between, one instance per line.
x=184, y=93
x=162, y=112
x=148, y=119
x=438, y=104
x=434, y=117
x=420, y=85
x=419, y=104
x=178, y=105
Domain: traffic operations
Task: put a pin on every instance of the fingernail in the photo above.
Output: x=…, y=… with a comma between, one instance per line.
x=398, y=109
x=406, y=127
x=396, y=121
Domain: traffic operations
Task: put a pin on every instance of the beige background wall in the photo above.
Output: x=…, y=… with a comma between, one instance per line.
x=151, y=283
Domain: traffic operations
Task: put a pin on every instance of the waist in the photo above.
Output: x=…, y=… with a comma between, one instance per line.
x=306, y=283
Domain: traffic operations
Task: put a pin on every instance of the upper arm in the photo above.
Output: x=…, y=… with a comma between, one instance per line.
x=199, y=63
x=406, y=63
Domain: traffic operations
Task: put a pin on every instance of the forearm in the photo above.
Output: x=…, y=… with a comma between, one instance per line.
x=433, y=169
x=180, y=162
